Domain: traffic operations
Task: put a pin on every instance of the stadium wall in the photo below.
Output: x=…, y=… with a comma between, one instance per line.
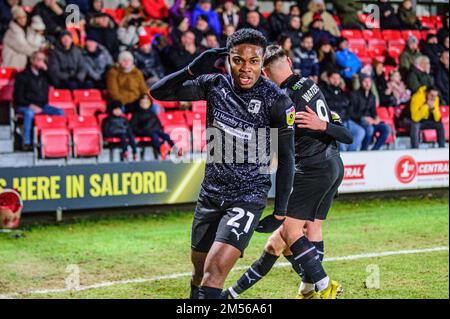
x=75, y=187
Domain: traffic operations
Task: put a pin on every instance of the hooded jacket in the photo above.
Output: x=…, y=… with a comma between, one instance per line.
x=213, y=18
x=66, y=65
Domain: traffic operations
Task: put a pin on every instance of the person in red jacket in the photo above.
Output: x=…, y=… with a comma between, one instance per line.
x=155, y=9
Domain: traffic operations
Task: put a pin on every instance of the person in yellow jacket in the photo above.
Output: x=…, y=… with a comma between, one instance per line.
x=425, y=115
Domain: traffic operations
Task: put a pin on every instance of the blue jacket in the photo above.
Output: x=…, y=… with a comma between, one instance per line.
x=213, y=19
x=348, y=60
x=306, y=62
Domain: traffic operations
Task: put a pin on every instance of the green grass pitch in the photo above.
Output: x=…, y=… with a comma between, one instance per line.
x=127, y=248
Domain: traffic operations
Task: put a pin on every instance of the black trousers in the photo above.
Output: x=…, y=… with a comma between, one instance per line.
x=416, y=127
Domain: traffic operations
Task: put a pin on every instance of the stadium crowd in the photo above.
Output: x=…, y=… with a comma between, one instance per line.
x=124, y=51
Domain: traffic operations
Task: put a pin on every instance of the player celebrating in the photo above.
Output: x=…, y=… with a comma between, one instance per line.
x=233, y=194
x=319, y=172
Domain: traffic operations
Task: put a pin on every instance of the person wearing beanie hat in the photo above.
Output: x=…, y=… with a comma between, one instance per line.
x=97, y=61
x=125, y=82
x=66, y=64
x=16, y=47
x=317, y=11
x=347, y=61
x=105, y=29
x=35, y=33
x=52, y=14
x=148, y=60
x=409, y=54
x=318, y=32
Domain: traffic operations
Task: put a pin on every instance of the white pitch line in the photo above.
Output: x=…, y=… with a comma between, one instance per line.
x=187, y=274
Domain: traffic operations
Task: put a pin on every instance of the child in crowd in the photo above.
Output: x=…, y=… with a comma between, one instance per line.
x=146, y=124
x=117, y=125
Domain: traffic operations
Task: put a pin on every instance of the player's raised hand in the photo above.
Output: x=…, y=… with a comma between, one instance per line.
x=270, y=223
x=206, y=62
x=310, y=120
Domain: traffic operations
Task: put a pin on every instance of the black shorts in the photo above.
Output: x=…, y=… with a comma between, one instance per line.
x=315, y=187
x=232, y=223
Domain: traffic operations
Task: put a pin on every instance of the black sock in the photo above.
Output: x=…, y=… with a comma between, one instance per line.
x=320, y=251
x=205, y=292
x=255, y=273
x=295, y=265
x=194, y=291
x=306, y=256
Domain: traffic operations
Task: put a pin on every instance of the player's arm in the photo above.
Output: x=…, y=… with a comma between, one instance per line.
x=283, y=114
x=334, y=128
x=184, y=84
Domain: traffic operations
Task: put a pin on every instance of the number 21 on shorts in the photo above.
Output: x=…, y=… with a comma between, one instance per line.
x=241, y=213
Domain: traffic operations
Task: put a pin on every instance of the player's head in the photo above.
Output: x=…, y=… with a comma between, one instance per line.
x=246, y=48
x=277, y=65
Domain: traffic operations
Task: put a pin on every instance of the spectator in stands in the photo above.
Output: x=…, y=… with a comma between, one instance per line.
x=227, y=31
x=254, y=22
x=385, y=93
x=179, y=57
x=66, y=64
x=339, y=102
x=204, y=7
x=148, y=61
x=347, y=11
x=408, y=18
x=364, y=107
x=95, y=8
x=31, y=95
x=126, y=83
x=16, y=47
x=420, y=74
x=211, y=41
x=441, y=78
x=398, y=87
x=305, y=59
x=155, y=9
x=388, y=18
x=409, y=55
x=228, y=13
x=347, y=61
x=182, y=25
x=444, y=31
x=35, y=34
x=104, y=28
x=117, y=125
x=249, y=6
x=5, y=15
x=316, y=29
x=317, y=10
x=54, y=17
x=84, y=5
x=278, y=20
x=135, y=10
x=178, y=11
x=97, y=61
x=426, y=115
x=128, y=32
x=294, y=10
x=432, y=49
x=327, y=59
x=286, y=43
x=294, y=31
x=201, y=29
x=146, y=124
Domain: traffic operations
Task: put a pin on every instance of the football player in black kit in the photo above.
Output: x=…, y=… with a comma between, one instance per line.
x=234, y=193
x=319, y=172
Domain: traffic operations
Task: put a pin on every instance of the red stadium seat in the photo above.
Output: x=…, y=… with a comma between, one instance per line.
x=167, y=104
x=395, y=52
x=55, y=142
x=80, y=121
x=195, y=116
x=6, y=76
x=445, y=120
x=172, y=118
x=351, y=34
x=372, y=34
x=87, y=141
x=386, y=115
x=87, y=108
x=376, y=47
x=444, y=111
x=181, y=135
x=6, y=93
x=437, y=21
x=428, y=136
x=198, y=139
x=391, y=35
x=407, y=33
x=87, y=95
x=199, y=106
x=42, y=122
x=365, y=59
x=426, y=22
x=62, y=99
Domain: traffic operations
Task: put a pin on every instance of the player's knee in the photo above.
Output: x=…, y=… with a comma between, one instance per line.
x=314, y=231
x=214, y=275
x=275, y=246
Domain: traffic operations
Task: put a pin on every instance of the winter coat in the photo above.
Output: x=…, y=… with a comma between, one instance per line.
x=149, y=64
x=348, y=11
x=406, y=59
x=320, y=35
x=363, y=105
x=16, y=47
x=66, y=65
x=329, y=23
x=441, y=80
x=226, y=19
x=390, y=22
x=295, y=35
x=213, y=19
x=107, y=37
x=278, y=22
x=53, y=23
x=30, y=88
x=113, y=126
x=417, y=78
x=178, y=58
x=419, y=108
x=97, y=63
x=306, y=63
x=433, y=52
x=408, y=18
x=36, y=40
x=5, y=17
x=155, y=9
x=175, y=14
x=125, y=87
x=128, y=36
x=144, y=122
x=348, y=60
x=337, y=101
x=400, y=91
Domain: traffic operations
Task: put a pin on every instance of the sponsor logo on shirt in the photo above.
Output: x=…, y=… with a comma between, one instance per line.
x=254, y=106
x=290, y=116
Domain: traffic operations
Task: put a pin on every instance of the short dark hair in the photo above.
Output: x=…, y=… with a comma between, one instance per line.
x=247, y=36
x=431, y=88
x=307, y=35
x=273, y=53
x=333, y=71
